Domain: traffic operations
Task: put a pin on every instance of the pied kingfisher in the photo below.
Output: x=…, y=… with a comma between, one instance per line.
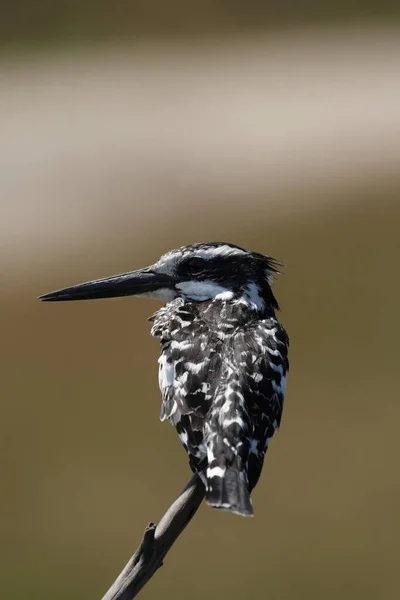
x=224, y=357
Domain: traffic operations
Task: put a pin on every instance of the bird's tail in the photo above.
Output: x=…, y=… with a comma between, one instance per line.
x=228, y=489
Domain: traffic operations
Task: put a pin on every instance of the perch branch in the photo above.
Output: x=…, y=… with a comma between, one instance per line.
x=156, y=542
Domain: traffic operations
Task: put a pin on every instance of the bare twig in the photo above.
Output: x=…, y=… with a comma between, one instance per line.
x=156, y=542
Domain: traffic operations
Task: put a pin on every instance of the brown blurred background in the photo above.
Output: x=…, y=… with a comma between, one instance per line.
x=128, y=129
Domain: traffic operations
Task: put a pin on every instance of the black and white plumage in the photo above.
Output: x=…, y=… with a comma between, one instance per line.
x=223, y=363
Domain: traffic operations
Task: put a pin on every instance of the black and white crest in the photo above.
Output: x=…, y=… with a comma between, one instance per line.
x=224, y=358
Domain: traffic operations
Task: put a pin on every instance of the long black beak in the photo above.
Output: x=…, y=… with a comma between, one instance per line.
x=143, y=281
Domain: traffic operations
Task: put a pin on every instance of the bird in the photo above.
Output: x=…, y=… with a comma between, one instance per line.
x=223, y=362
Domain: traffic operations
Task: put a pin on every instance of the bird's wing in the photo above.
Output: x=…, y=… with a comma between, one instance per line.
x=260, y=354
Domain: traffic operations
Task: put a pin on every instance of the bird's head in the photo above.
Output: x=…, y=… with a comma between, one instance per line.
x=196, y=273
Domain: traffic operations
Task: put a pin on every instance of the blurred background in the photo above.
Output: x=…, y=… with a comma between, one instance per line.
x=128, y=129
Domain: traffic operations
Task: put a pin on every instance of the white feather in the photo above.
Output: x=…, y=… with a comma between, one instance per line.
x=202, y=290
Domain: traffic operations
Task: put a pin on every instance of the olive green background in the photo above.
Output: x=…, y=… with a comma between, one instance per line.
x=86, y=463
x=26, y=23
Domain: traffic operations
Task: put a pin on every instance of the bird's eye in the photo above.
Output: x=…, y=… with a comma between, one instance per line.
x=195, y=264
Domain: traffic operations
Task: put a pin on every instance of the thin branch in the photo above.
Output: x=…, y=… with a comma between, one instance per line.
x=156, y=542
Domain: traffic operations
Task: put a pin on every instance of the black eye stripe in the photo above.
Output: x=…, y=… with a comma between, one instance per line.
x=214, y=264
x=195, y=263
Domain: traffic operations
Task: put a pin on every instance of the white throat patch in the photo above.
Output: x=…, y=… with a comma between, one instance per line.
x=164, y=294
x=203, y=290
